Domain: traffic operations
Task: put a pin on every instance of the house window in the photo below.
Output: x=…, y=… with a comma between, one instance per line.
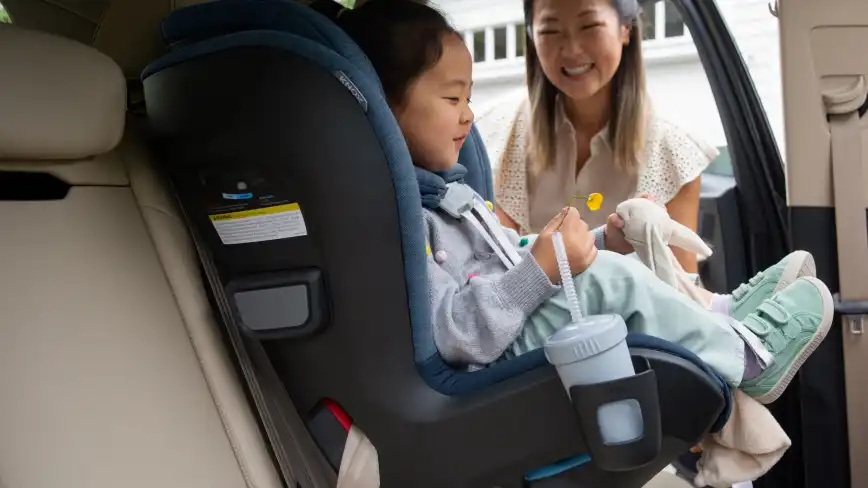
x=674, y=23
x=479, y=46
x=648, y=24
x=661, y=20
x=520, y=40
x=496, y=43
x=500, y=43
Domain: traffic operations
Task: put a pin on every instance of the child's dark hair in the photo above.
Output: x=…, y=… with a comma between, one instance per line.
x=402, y=38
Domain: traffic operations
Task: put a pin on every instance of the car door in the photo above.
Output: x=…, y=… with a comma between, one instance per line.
x=824, y=76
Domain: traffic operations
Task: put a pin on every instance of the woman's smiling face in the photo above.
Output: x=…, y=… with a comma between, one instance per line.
x=579, y=44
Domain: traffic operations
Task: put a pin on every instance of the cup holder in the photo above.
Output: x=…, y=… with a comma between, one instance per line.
x=640, y=388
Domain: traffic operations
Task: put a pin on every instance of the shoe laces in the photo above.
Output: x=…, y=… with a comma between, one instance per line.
x=743, y=288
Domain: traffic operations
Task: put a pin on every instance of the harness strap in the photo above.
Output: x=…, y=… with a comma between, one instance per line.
x=461, y=202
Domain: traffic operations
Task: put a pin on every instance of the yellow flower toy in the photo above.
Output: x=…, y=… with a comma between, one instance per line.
x=594, y=201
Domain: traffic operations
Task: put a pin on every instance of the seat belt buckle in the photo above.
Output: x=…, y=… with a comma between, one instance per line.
x=458, y=200
x=853, y=312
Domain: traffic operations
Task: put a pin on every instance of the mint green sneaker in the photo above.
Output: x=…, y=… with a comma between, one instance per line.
x=748, y=296
x=791, y=324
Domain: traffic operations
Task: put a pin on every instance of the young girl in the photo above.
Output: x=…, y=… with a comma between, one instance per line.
x=483, y=310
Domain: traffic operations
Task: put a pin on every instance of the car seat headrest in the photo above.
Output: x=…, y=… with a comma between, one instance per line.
x=60, y=99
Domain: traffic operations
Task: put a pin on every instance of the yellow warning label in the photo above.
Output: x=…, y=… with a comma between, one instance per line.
x=257, y=212
x=261, y=224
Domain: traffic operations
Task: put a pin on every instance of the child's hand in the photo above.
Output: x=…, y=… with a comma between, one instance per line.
x=615, y=239
x=578, y=241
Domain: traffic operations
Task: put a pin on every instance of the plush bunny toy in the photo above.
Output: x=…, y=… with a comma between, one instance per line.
x=650, y=230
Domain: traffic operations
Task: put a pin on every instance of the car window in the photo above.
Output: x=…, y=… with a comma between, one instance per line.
x=4, y=15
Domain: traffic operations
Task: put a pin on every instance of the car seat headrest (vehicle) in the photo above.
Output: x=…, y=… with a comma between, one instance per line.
x=60, y=99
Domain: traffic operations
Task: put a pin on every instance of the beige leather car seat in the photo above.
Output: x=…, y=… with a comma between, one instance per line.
x=112, y=369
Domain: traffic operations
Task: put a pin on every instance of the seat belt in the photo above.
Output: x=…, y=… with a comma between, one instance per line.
x=291, y=443
x=848, y=185
x=496, y=229
x=849, y=191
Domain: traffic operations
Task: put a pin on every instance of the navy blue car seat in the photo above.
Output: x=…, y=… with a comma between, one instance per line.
x=273, y=128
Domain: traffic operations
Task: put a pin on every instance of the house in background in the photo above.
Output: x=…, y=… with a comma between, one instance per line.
x=678, y=88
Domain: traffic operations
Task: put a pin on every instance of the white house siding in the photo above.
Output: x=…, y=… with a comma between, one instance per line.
x=676, y=80
x=756, y=33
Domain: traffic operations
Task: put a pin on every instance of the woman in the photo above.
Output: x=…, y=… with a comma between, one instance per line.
x=587, y=127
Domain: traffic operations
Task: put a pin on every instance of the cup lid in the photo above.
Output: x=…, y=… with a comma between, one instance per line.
x=588, y=337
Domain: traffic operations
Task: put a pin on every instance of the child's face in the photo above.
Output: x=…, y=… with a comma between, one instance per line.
x=435, y=115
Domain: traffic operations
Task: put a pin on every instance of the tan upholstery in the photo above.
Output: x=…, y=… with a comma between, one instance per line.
x=824, y=70
x=111, y=365
x=77, y=115
x=180, y=263
x=126, y=30
x=75, y=19
x=129, y=31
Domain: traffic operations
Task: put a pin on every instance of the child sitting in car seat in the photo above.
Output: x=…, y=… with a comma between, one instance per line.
x=490, y=301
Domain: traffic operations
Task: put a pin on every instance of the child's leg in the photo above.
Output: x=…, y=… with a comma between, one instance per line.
x=748, y=296
x=785, y=328
x=624, y=286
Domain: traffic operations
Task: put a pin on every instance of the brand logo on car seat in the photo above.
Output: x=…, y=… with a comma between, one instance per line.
x=347, y=82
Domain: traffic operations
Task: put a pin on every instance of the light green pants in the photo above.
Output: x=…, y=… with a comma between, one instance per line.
x=622, y=285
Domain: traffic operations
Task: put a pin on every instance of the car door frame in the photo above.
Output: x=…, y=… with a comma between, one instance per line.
x=759, y=173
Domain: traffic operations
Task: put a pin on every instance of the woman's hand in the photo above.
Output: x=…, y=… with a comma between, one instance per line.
x=578, y=241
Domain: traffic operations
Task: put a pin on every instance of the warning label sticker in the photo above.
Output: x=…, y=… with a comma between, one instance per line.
x=260, y=224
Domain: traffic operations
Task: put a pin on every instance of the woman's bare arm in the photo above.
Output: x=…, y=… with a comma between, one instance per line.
x=684, y=208
x=506, y=220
